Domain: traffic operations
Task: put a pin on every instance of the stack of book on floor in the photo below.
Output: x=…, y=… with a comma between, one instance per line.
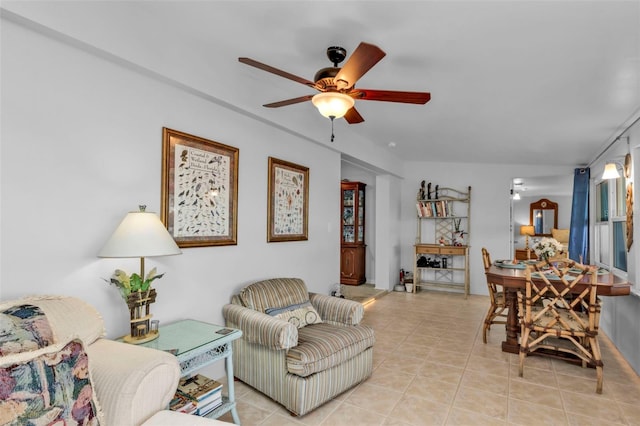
x=203, y=392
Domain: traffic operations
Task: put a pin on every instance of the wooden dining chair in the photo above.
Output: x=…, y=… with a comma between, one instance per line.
x=497, y=313
x=561, y=313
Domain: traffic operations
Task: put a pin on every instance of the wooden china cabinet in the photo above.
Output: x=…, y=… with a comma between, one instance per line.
x=352, y=247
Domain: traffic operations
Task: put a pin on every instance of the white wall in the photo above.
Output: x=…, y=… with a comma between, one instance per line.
x=81, y=146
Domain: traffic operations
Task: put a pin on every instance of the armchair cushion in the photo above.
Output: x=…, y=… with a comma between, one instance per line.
x=260, y=328
x=274, y=293
x=300, y=315
x=335, y=310
x=322, y=346
x=47, y=386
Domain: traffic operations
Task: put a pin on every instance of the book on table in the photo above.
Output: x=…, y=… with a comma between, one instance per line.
x=206, y=393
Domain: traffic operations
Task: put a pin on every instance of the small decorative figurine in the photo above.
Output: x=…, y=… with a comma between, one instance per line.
x=442, y=241
x=437, y=187
x=421, y=191
x=429, y=191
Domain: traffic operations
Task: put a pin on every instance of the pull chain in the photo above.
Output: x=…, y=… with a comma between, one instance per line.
x=332, y=135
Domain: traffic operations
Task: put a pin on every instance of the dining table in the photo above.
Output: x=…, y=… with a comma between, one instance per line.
x=513, y=279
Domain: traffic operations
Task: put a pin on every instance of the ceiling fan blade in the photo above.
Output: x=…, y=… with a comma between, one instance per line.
x=353, y=117
x=361, y=60
x=391, y=96
x=288, y=102
x=276, y=71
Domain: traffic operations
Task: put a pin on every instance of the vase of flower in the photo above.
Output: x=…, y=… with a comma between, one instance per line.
x=546, y=248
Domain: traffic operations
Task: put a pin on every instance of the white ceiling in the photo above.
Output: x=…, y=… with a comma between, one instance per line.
x=521, y=82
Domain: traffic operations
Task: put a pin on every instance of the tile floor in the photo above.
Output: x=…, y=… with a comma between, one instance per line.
x=431, y=368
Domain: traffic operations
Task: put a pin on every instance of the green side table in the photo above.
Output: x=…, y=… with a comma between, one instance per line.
x=197, y=344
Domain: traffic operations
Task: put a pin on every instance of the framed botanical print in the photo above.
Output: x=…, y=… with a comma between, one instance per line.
x=199, y=190
x=288, y=201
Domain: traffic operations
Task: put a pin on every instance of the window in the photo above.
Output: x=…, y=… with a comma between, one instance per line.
x=610, y=225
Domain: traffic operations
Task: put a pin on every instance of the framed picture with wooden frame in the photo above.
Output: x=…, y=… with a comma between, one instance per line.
x=199, y=190
x=288, y=201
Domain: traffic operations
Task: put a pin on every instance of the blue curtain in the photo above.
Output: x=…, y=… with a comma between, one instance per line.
x=579, y=229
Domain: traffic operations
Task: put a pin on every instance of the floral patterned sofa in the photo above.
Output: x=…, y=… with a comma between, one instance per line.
x=56, y=368
x=301, y=349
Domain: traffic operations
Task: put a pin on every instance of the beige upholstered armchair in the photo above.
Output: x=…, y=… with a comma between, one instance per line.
x=300, y=349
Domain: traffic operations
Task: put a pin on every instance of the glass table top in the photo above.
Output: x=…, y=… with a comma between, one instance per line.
x=186, y=335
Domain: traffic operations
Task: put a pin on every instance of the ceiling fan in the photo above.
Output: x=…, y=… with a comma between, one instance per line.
x=337, y=85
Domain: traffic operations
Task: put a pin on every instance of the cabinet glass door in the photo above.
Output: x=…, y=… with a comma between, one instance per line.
x=360, y=216
x=348, y=219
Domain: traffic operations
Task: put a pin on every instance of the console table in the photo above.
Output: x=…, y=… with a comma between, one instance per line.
x=197, y=344
x=521, y=254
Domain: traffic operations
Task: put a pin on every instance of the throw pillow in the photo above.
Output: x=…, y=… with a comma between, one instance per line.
x=561, y=235
x=300, y=314
x=23, y=328
x=48, y=386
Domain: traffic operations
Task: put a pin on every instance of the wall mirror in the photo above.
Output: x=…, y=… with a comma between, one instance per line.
x=543, y=215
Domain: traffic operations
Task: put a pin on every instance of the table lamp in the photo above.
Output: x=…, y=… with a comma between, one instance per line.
x=140, y=234
x=527, y=231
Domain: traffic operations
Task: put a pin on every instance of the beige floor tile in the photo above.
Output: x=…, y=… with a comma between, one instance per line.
x=433, y=390
x=403, y=364
x=488, y=366
x=390, y=378
x=592, y=406
x=455, y=359
x=536, y=394
x=350, y=415
x=491, y=383
x=580, y=420
x=419, y=412
x=482, y=402
x=374, y=398
x=631, y=412
x=441, y=372
x=458, y=417
x=528, y=414
x=280, y=420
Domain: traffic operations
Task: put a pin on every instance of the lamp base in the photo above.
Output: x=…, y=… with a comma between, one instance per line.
x=153, y=335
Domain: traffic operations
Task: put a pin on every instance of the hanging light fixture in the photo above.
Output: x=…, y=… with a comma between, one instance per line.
x=516, y=196
x=333, y=104
x=610, y=171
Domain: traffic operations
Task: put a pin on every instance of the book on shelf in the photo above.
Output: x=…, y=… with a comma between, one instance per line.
x=206, y=393
x=183, y=404
x=209, y=407
x=434, y=208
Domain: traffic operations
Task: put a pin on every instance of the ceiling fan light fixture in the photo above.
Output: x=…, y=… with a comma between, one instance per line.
x=333, y=104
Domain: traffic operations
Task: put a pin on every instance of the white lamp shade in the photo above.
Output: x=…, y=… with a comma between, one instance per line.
x=610, y=171
x=333, y=104
x=140, y=234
